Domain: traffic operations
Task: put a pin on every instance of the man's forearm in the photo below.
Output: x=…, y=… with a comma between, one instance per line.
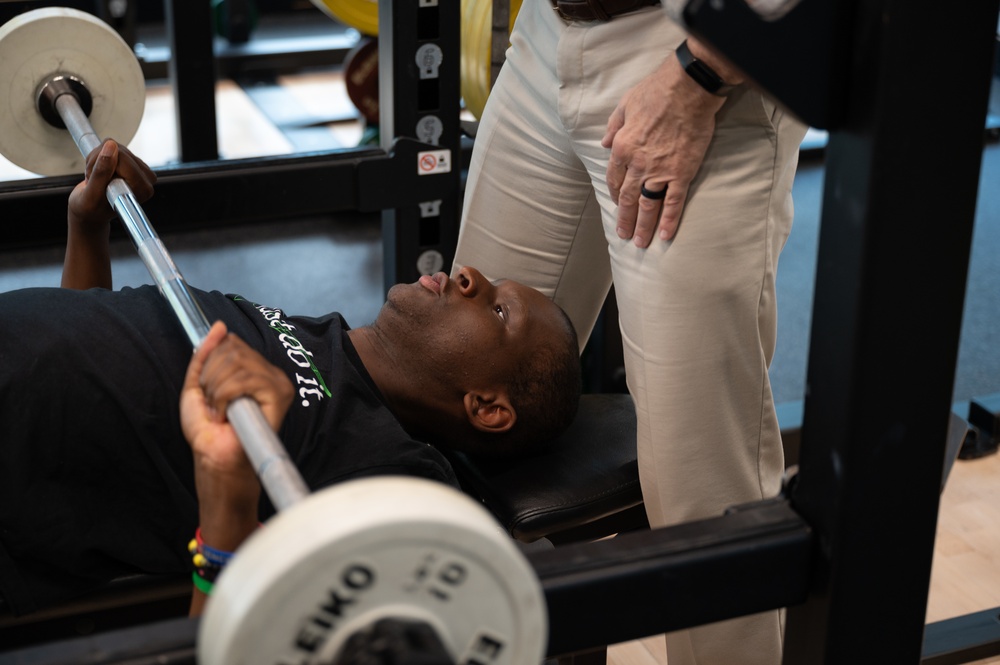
x=87, y=263
x=227, y=515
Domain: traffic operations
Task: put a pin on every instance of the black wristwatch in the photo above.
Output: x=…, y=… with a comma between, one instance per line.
x=702, y=73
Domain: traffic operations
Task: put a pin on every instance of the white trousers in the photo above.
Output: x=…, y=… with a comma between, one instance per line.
x=697, y=314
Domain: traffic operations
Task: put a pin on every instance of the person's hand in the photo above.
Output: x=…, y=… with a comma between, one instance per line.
x=88, y=255
x=658, y=136
x=223, y=369
x=89, y=209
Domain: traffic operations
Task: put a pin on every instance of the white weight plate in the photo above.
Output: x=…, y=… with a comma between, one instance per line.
x=369, y=549
x=37, y=45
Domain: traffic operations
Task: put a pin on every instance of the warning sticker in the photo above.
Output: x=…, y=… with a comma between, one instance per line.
x=433, y=161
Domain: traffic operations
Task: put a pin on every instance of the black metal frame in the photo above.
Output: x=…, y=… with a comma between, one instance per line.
x=192, y=76
x=885, y=337
x=753, y=559
x=421, y=102
x=963, y=639
x=240, y=191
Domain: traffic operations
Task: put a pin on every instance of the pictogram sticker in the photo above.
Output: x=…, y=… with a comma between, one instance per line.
x=436, y=161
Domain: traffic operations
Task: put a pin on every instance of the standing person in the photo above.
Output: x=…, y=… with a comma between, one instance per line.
x=606, y=153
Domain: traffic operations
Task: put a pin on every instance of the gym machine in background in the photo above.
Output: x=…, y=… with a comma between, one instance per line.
x=419, y=117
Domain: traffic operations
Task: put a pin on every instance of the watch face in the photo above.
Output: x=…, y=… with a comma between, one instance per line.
x=699, y=71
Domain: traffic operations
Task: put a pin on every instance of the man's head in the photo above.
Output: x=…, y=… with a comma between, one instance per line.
x=501, y=358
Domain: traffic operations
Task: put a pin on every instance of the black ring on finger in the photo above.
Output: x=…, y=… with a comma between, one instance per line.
x=655, y=196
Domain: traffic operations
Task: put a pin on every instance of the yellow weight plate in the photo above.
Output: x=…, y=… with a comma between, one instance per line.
x=362, y=15
x=477, y=20
x=477, y=17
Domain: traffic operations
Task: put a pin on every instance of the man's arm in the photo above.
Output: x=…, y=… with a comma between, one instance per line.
x=88, y=259
x=224, y=368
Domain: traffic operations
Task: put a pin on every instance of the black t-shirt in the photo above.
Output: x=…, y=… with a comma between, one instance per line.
x=96, y=479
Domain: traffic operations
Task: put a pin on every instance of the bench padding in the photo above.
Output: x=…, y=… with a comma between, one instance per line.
x=590, y=474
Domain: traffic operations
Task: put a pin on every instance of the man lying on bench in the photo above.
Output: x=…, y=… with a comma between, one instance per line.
x=96, y=480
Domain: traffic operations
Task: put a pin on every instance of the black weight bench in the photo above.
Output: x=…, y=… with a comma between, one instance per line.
x=585, y=487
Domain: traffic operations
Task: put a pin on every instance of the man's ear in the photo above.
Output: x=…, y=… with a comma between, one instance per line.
x=490, y=412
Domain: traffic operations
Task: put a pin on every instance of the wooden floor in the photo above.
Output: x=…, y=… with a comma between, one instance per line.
x=966, y=575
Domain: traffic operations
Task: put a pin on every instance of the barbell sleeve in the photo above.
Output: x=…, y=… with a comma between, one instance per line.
x=278, y=475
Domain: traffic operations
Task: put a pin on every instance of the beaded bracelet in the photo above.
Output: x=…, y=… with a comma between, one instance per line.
x=201, y=583
x=217, y=557
x=208, y=562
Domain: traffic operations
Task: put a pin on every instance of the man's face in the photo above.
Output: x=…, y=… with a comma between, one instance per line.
x=468, y=327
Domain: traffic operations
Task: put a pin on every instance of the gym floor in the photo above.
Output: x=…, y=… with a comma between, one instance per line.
x=312, y=266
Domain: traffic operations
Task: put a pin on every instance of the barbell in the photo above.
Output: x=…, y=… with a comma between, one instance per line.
x=330, y=567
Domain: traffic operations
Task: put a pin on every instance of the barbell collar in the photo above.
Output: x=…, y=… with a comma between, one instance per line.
x=53, y=89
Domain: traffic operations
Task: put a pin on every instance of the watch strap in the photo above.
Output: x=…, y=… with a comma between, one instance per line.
x=704, y=75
